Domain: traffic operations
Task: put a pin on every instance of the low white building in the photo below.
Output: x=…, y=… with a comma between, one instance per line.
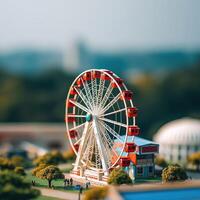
x=178, y=139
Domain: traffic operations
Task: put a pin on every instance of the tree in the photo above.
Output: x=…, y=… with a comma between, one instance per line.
x=174, y=173
x=38, y=168
x=96, y=193
x=20, y=171
x=69, y=155
x=13, y=186
x=50, y=158
x=6, y=164
x=50, y=173
x=160, y=161
x=194, y=159
x=119, y=176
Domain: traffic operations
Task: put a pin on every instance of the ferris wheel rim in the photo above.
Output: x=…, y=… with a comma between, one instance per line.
x=113, y=76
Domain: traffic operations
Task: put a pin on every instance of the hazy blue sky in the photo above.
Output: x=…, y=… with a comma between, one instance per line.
x=110, y=24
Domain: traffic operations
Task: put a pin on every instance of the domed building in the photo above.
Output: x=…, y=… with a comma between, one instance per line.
x=178, y=139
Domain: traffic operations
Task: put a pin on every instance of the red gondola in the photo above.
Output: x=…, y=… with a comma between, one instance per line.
x=130, y=147
x=133, y=130
x=76, y=146
x=69, y=104
x=87, y=76
x=73, y=91
x=105, y=76
x=119, y=82
x=124, y=161
x=132, y=112
x=71, y=118
x=79, y=82
x=127, y=95
x=73, y=134
x=96, y=74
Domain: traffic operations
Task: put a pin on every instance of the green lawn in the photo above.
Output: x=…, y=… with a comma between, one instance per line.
x=148, y=180
x=58, y=184
x=46, y=198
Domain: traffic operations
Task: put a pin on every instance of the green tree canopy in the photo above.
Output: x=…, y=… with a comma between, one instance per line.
x=119, y=176
x=20, y=171
x=174, y=173
x=50, y=173
x=96, y=193
x=13, y=186
x=50, y=158
x=6, y=164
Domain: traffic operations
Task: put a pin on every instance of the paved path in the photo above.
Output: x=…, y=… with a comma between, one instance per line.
x=58, y=194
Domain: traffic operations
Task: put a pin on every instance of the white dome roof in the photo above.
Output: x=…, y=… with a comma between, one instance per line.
x=185, y=131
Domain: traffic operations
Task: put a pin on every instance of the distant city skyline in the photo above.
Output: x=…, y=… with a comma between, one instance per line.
x=102, y=24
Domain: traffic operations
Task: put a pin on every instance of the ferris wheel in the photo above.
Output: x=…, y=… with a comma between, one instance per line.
x=100, y=117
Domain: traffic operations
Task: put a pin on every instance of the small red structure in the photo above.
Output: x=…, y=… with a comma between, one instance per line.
x=71, y=118
x=105, y=76
x=133, y=130
x=96, y=74
x=69, y=104
x=132, y=112
x=87, y=76
x=73, y=134
x=127, y=95
x=130, y=147
x=79, y=82
x=124, y=161
x=76, y=147
x=73, y=91
x=119, y=82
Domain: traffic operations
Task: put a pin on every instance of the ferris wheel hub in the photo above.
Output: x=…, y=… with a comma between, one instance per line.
x=89, y=117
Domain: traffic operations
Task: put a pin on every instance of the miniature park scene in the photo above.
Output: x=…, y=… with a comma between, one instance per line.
x=99, y=100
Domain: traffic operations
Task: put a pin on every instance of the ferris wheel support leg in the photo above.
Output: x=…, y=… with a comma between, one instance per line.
x=80, y=152
x=100, y=147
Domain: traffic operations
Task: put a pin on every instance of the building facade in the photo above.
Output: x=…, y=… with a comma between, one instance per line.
x=178, y=139
x=140, y=162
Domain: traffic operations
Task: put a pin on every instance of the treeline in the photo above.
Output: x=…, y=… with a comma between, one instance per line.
x=160, y=98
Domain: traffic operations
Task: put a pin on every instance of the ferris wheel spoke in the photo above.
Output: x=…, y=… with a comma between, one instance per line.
x=106, y=144
x=114, y=112
x=113, y=122
x=112, y=132
x=109, y=140
x=79, y=106
x=100, y=92
x=77, y=127
x=78, y=141
x=88, y=93
x=106, y=96
x=83, y=97
x=111, y=103
x=82, y=145
x=100, y=147
x=76, y=115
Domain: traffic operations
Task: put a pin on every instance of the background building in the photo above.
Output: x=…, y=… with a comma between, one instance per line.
x=178, y=139
x=34, y=138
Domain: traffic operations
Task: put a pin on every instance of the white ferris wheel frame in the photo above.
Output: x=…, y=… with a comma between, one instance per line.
x=90, y=103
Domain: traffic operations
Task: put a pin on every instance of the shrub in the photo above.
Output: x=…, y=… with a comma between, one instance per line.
x=96, y=193
x=119, y=176
x=51, y=158
x=20, y=171
x=173, y=173
x=13, y=186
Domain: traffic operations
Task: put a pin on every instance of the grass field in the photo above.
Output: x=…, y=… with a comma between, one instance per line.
x=58, y=184
x=46, y=198
x=148, y=180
